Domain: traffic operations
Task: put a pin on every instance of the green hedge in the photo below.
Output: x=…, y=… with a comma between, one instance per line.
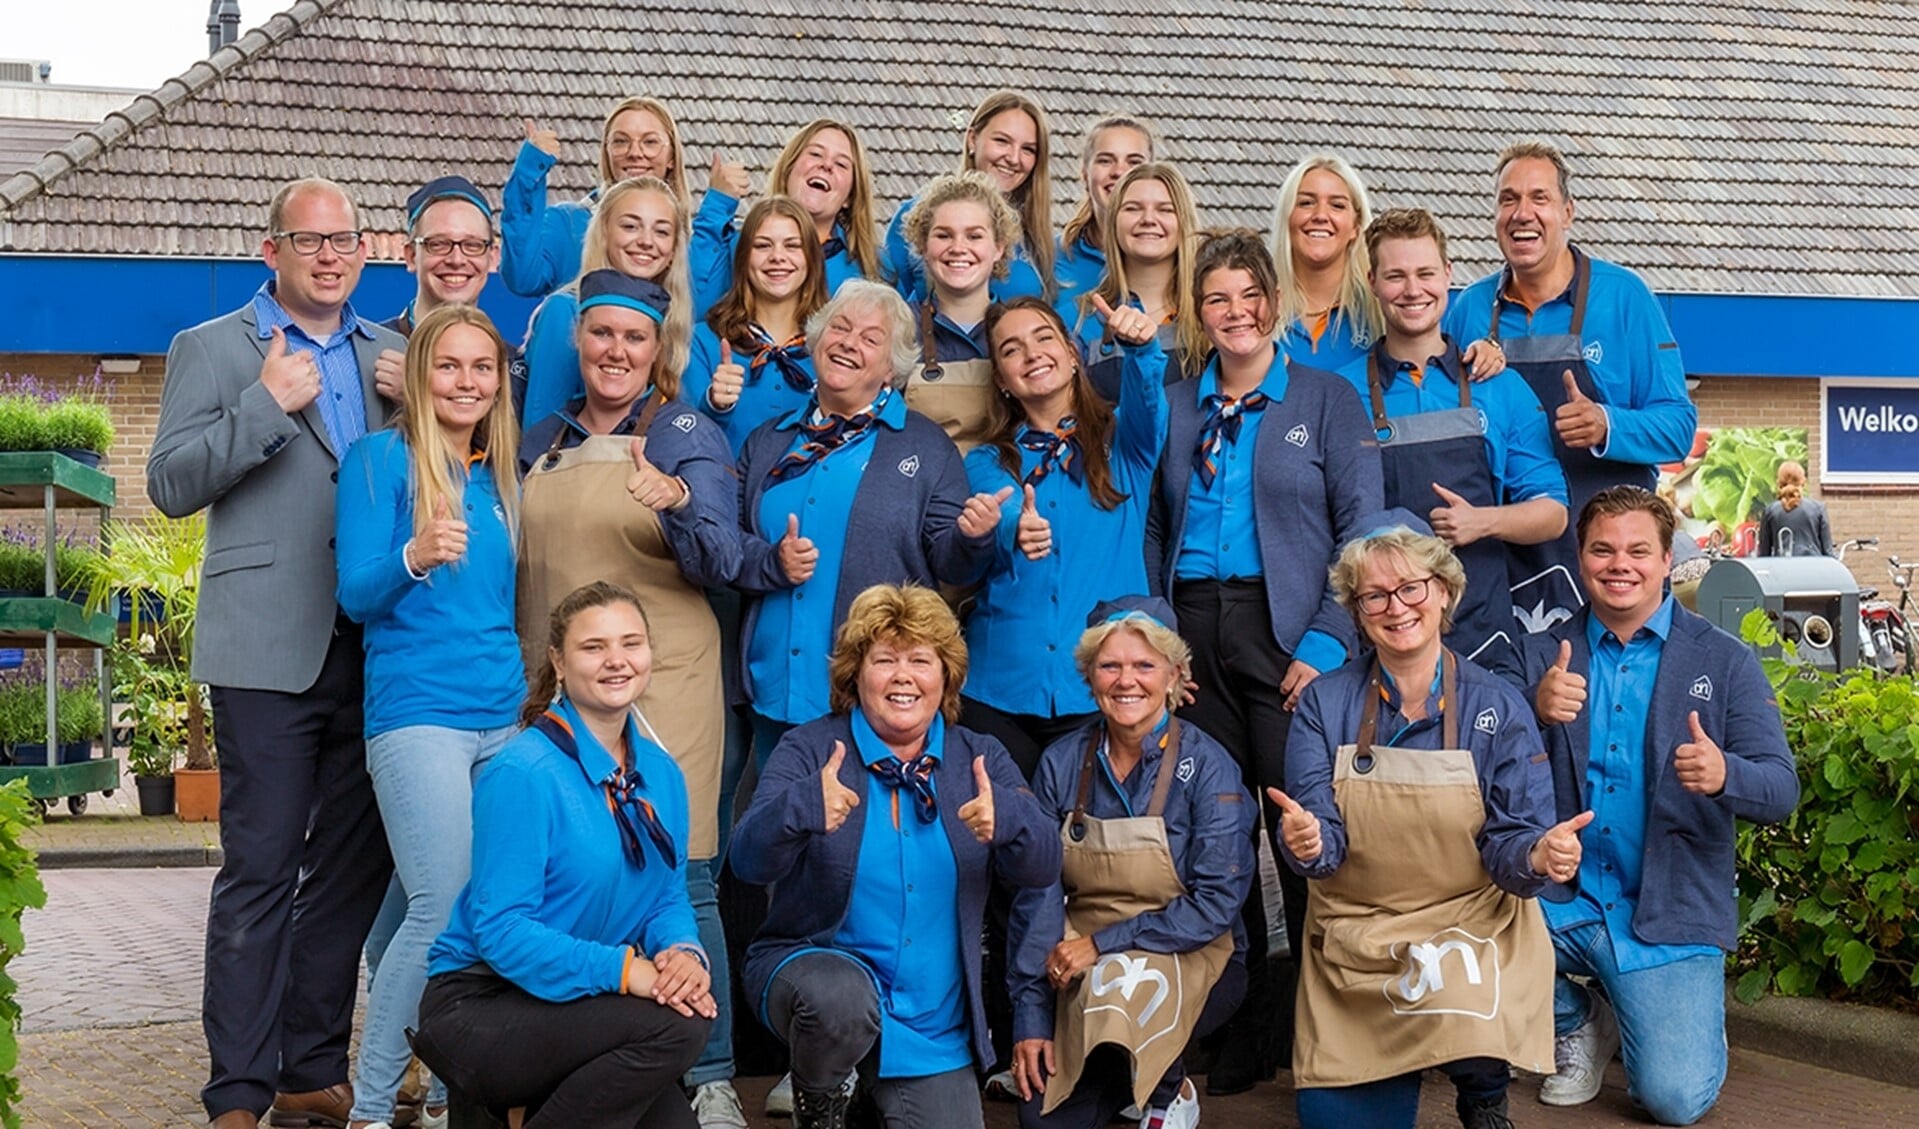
x=1829, y=898
x=20, y=890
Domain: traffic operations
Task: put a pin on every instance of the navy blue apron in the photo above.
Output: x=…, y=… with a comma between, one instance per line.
x=1545, y=577
x=1449, y=447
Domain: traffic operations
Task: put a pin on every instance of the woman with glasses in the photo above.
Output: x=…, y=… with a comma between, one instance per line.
x=540, y=242
x=570, y=981
x=1419, y=805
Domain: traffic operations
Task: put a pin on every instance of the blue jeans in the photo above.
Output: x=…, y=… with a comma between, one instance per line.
x=1672, y=1021
x=716, y=1059
x=423, y=777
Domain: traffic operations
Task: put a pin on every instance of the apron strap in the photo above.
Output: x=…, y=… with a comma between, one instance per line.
x=1086, y=778
x=552, y=454
x=929, y=366
x=1465, y=380
x=1582, y=283
x=651, y=409
x=1372, y=389
x=1448, y=706
x=1156, y=807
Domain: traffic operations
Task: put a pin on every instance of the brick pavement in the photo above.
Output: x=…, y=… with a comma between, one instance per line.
x=115, y=948
x=113, y=833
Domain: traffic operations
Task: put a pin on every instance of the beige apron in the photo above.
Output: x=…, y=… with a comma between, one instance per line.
x=1148, y=1003
x=953, y=394
x=579, y=525
x=1414, y=958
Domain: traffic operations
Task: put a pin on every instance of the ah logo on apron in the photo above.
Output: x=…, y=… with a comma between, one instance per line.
x=1423, y=986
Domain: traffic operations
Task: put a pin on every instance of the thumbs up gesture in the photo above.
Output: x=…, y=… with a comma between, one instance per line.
x=291, y=376
x=840, y=800
x=1298, y=828
x=1556, y=855
x=1580, y=421
x=1035, y=535
x=1561, y=694
x=798, y=555
x=981, y=514
x=1699, y=764
x=728, y=380
x=729, y=178
x=442, y=542
x=977, y=813
x=1129, y=326
x=652, y=487
x=389, y=375
x=1458, y=522
x=543, y=138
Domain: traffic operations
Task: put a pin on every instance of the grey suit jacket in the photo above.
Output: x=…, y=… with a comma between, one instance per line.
x=266, y=480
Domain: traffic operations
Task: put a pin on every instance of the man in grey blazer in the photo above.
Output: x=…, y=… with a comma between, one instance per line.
x=258, y=407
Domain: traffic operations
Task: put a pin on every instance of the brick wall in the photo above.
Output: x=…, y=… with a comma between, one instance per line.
x=135, y=401
x=1890, y=513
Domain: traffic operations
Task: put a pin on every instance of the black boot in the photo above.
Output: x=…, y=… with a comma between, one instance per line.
x=822, y=1110
x=1483, y=1113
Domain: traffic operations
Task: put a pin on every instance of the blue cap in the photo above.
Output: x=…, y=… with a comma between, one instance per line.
x=611, y=288
x=1154, y=608
x=1385, y=521
x=445, y=188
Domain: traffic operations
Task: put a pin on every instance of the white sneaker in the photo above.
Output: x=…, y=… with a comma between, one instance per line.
x=1181, y=1113
x=717, y=1106
x=1001, y=1087
x=1580, y=1058
x=779, y=1100
x=431, y=1120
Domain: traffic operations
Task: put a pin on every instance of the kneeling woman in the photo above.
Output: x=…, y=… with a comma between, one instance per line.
x=1156, y=832
x=1421, y=809
x=880, y=828
x=570, y=979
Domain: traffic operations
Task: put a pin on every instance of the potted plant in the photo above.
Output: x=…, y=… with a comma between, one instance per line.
x=156, y=561
x=23, y=722
x=23, y=565
x=150, y=719
x=80, y=429
x=74, y=421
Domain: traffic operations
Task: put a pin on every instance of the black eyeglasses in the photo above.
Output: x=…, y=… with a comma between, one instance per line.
x=308, y=242
x=441, y=245
x=1411, y=594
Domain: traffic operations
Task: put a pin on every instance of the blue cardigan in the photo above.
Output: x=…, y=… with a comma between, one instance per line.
x=781, y=842
x=905, y=514
x=1310, y=499
x=1687, y=880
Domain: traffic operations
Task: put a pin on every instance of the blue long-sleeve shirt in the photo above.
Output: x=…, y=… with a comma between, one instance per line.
x=1629, y=349
x=552, y=357
x=441, y=651
x=1209, y=822
x=1495, y=725
x=766, y=394
x=1021, y=630
x=1340, y=343
x=553, y=901
x=1077, y=271
x=539, y=242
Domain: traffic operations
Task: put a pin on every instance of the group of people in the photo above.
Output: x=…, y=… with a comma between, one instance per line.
x=993, y=601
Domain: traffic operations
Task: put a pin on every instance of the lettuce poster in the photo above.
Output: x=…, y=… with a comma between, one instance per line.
x=1727, y=481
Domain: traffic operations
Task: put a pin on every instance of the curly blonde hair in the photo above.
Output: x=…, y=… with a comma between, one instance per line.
x=904, y=615
x=965, y=187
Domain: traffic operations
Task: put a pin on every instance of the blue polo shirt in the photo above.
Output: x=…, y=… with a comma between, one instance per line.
x=786, y=654
x=554, y=901
x=903, y=921
x=1619, y=778
x=766, y=395
x=1518, y=442
x=342, y=400
x=1629, y=349
x=1341, y=342
x=1077, y=271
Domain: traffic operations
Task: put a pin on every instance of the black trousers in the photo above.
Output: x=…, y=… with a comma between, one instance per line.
x=1239, y=669
x=600, y=1062
x=306, y=866
x=1106, y=1082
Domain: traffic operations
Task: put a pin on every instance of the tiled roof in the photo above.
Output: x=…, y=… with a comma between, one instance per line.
x=1716, y=146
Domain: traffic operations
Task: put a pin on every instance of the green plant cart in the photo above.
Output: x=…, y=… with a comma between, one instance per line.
x=52, y=482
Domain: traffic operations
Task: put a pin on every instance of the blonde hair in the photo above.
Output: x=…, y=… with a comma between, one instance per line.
x=1357, y=307
x=676, y=334
x=1087, y=213
x=904, y=615
x=1033, y=199
x=1416, y=550
x=1155, y=634
x=968, y=188
x=438, y=475
x=675, y=176
x=1114, y=286
x=856, y=215
x=865, y=294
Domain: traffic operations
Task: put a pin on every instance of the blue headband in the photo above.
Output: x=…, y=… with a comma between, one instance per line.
x=611, y=288
x=445, y=188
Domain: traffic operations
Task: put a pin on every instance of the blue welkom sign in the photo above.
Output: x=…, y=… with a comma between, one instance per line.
x=1871, y=430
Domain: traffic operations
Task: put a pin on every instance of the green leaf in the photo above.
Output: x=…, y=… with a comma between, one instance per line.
x=1854, y=961
x=1843, y=829
x=1752, y=985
